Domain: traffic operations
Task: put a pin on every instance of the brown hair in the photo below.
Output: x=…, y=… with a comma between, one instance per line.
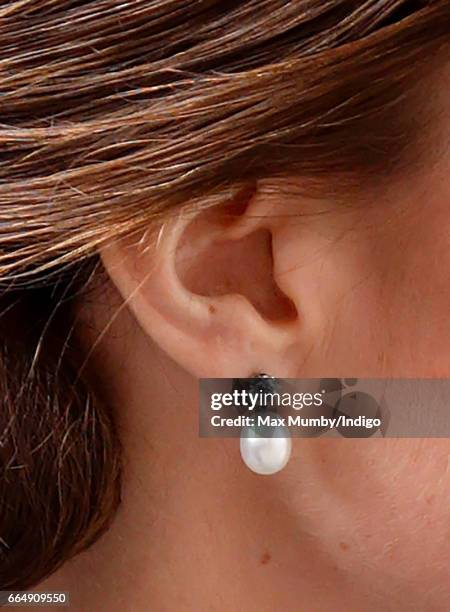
x=111, y=115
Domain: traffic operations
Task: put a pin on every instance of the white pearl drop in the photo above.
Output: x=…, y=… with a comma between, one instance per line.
x=265, y=455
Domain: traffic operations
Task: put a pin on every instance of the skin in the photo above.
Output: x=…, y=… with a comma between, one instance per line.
x=349, y=524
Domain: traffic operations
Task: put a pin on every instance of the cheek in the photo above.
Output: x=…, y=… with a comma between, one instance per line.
x=416, y=296
x=391, y=313
x=374, y=294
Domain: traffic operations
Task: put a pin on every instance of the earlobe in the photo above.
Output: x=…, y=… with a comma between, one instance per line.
x=204, y=291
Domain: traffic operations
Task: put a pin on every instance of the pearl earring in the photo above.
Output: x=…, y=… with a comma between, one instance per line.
x=265, y=448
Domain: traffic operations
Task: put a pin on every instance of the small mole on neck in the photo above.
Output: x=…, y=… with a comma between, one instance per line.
x=266, y=558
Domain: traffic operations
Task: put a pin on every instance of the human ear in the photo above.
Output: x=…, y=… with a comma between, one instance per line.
x=209, y=289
